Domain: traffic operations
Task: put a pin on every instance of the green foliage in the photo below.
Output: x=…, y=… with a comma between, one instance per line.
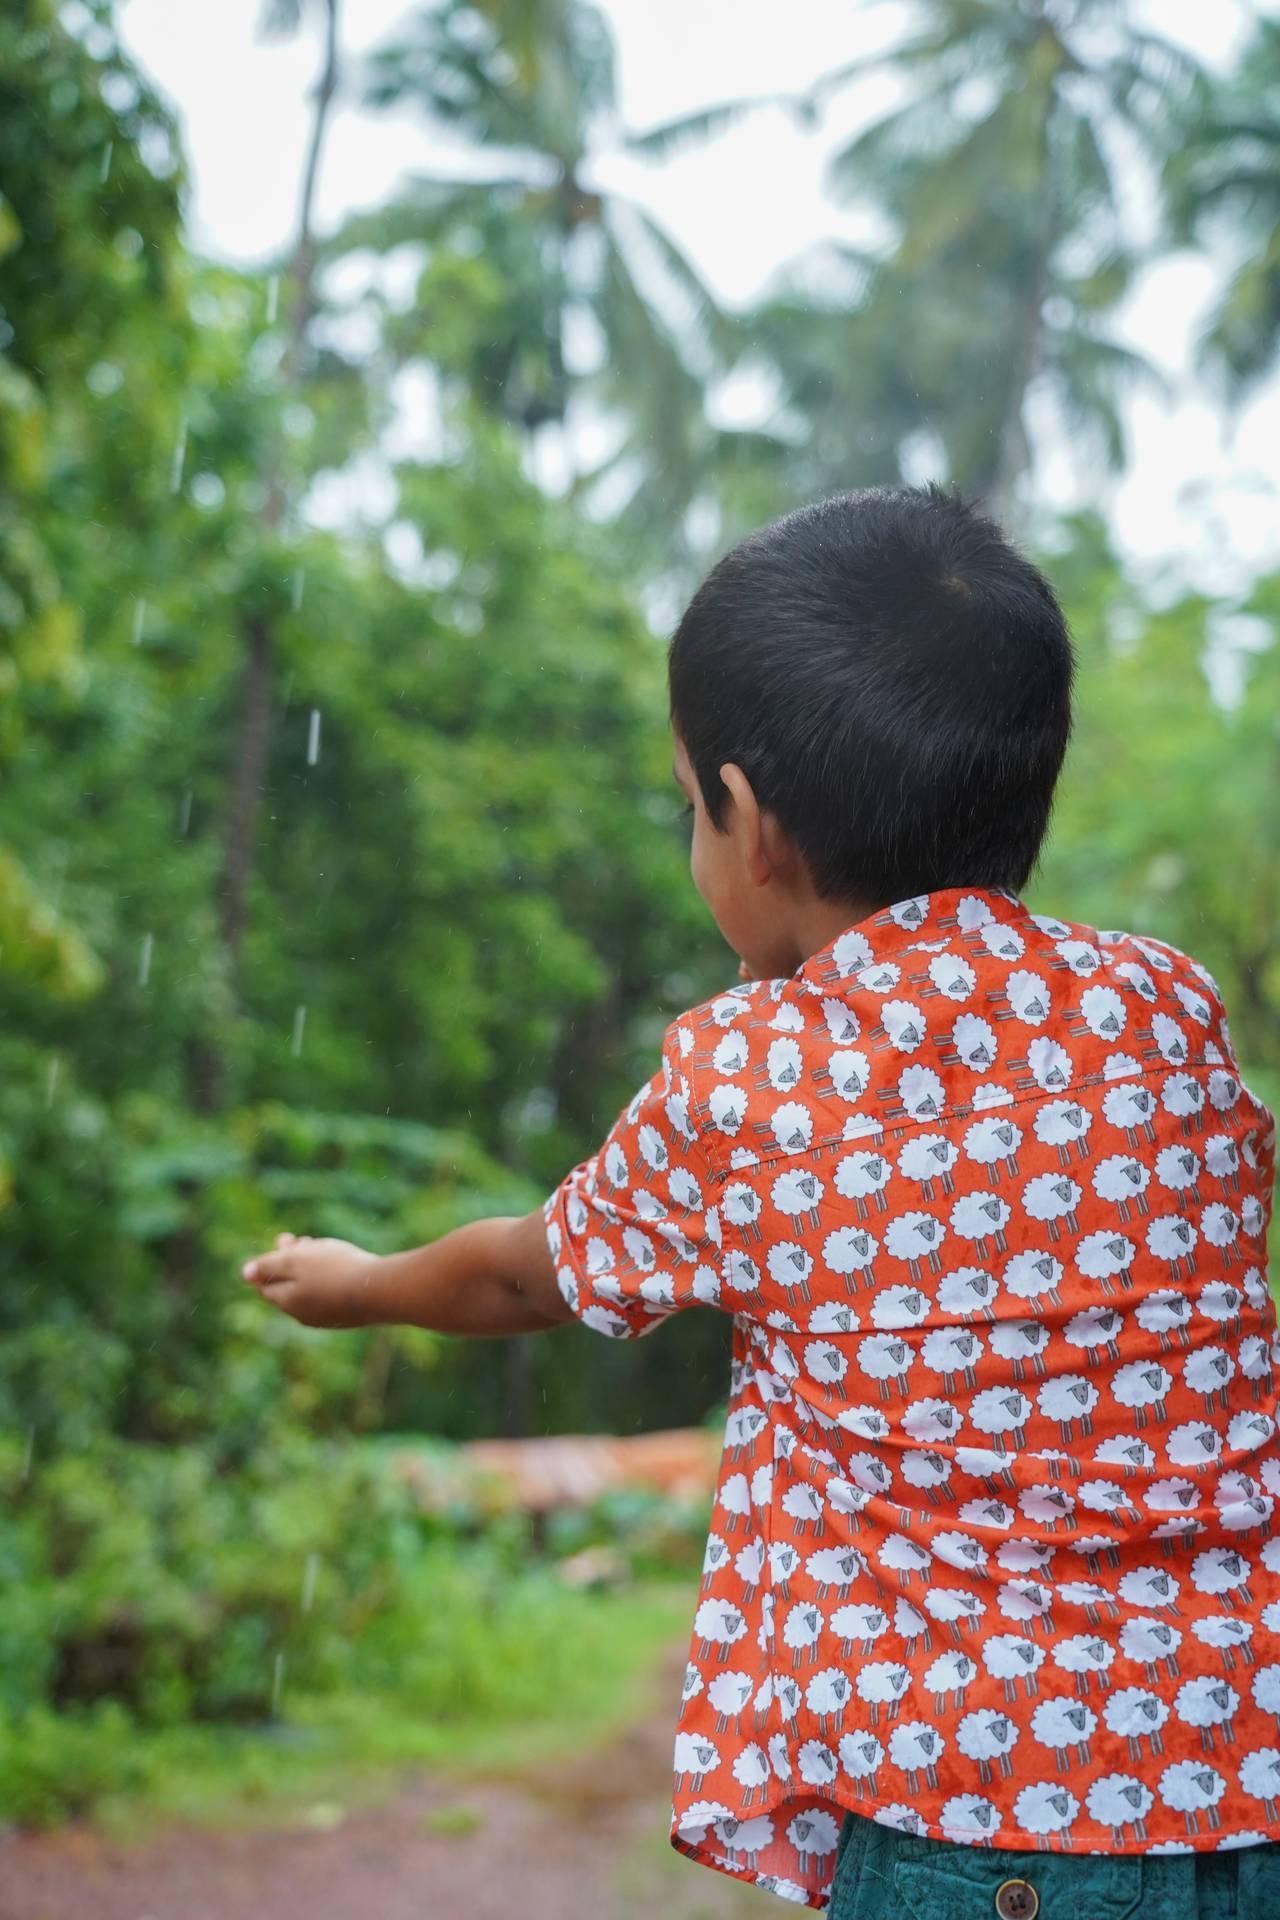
x=471, y=876
x=1223, y=181
x=1167, y=816
x=1004, y=240
x=153, y=1578
x=426, y=760
x=151, y=1589
x=56, y=1766
x=654, y=1533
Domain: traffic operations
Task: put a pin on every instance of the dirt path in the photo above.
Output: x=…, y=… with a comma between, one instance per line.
x=586, y=1839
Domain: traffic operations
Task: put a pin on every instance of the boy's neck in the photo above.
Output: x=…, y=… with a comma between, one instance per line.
x=818, y=922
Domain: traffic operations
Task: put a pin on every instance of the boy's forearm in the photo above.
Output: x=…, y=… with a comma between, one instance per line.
x=491, y=1277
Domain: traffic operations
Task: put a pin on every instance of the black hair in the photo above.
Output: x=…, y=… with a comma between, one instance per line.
x=894, y=679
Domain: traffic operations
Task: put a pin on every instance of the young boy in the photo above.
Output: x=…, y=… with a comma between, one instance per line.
x=992, y=1557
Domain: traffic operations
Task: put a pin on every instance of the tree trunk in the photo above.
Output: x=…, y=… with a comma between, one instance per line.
x=253, y=734
x=517, y=1385
x=1012, y=452
x=252, y=740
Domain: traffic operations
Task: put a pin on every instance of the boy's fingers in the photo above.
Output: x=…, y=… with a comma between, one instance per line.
x=268, y=1267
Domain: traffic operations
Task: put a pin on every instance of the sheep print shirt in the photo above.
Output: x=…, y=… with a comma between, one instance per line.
x=994, y=1552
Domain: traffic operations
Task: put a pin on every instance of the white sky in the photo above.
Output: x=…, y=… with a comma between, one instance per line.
x=1200, y=493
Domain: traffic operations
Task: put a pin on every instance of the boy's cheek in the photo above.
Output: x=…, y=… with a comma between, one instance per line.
x=715, y=883
x=711, y=879
x=708, y=893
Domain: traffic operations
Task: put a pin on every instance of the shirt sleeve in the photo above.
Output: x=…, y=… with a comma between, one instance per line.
x=633, y=1230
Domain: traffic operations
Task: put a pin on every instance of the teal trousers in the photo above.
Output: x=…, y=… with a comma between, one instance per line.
x=881, y=1874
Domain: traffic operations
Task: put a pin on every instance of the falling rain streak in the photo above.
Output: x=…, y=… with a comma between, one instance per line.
x=273, y=298
x=105, y=168
x=184, y=818
x=313, y=738
x=299, y=1025
x=144, y=964
x=309, y=1573
x=179, y=456
x=277, y=1682
x=299, y=580
x=139, y=621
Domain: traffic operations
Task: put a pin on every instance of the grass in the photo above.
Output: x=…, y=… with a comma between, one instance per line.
x=459, y=1821
x=652, y=1878
x=585, y=1668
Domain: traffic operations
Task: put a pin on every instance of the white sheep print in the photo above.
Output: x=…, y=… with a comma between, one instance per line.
x=993, y=1555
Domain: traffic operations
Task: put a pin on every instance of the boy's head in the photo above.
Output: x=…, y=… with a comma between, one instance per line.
x=871, y=699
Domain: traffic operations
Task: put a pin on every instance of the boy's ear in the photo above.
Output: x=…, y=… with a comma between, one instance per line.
x=763, y=844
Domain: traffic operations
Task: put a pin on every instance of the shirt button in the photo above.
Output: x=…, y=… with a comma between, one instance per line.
x=1017, y=1900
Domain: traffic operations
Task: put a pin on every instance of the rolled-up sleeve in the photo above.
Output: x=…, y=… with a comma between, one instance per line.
x=633, y=1231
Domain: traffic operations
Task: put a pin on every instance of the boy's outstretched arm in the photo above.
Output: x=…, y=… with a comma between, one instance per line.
x=491, y=1277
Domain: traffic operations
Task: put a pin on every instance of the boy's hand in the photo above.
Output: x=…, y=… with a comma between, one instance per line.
x=321, y=1283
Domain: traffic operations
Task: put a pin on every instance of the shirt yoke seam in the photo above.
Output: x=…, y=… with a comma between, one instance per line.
x=893, y=1129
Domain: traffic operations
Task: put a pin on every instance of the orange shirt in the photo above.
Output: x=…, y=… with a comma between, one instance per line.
x=992, y=1553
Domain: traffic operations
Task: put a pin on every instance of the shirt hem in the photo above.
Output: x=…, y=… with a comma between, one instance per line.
x=817, y=1900
x=1207, y=1840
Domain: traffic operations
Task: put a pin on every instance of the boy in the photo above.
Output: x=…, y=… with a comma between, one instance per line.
x=992, y=1556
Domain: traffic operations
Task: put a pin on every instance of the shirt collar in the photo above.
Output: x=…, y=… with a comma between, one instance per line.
x=921, y=917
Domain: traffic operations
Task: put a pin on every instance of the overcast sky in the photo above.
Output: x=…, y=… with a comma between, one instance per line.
x=1199, y=494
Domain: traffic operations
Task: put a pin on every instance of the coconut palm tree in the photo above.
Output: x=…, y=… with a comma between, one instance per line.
x=253, y=729
x=1002, y=177
x=1225, y=178
x=579, y=290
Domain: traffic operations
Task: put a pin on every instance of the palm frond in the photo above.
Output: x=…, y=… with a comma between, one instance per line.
x=1241, y=344
x=1091, y=179
x=1091, y=375
x=922, y=128
x=704, y=123
x=646, y=378
x=957, y=40
x=457, y=84
x=1150, y=61
x=425, y=210
x=280, y=18
x=717, y=328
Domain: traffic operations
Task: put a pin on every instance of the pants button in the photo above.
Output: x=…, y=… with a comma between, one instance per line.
x=1017, y=1900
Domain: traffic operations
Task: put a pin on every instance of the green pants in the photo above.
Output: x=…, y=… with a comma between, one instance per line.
x=881, y=1874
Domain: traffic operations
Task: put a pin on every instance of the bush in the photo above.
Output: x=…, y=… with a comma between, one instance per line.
x=148, y=1576
x=53, y=1767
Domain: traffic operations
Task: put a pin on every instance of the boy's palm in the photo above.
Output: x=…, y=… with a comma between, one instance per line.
x=321, y=1283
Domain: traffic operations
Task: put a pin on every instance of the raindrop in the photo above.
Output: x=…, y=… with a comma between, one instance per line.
x=277, y=1682
x=309, y=1573
x=299, y=579
x=313, y=738
x=184, y=818
x=51, y=1079
x=139, y=621
x=179, y=456
x=299, y=1023
x=28, y=1451
x=144, y=964
x=273, y=298
x=105, y=168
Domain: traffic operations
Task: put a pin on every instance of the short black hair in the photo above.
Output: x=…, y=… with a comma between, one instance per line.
x=894, y=679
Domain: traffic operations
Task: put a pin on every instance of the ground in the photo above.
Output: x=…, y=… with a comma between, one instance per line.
x=587, y=1837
